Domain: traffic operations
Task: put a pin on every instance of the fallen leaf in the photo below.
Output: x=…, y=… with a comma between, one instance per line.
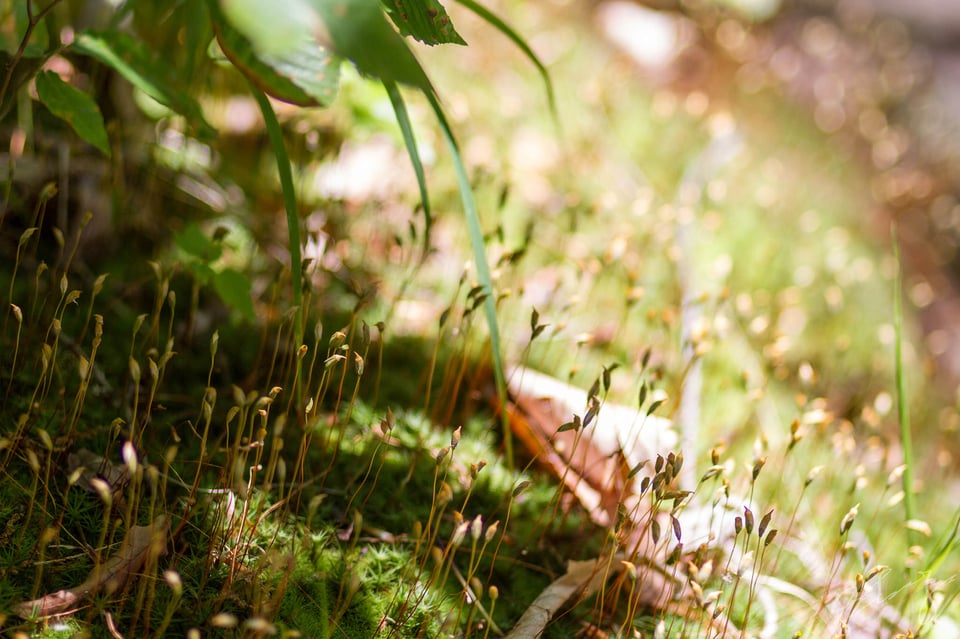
x=94, y=466
x=582, y=579
x=595, y=463
x=138, y=544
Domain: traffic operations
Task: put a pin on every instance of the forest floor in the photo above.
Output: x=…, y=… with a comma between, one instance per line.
x=701, y=240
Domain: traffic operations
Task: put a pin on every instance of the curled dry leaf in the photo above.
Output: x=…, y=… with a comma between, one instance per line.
x=583, y=578
x=594, y=462
x=140, y=543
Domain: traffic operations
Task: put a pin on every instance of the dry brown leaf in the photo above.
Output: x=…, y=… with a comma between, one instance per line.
x=94, y=466
x=595, y=465
x=139, y=543
x=582, y=579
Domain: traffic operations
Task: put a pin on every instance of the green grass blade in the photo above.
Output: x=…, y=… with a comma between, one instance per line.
x=947, y=545
x=403, y=119
x=275, y=134
x=497, y=23
x=903, y=408
x=483, y=270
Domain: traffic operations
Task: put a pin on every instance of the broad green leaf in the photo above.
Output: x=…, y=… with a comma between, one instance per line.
x=143, y=70
x=360, y=32
x=234, y=288
x=193, y=241
x=425, y=20
x=278, y=28
x=74, y=107
x=202, y=271
x=304, y=74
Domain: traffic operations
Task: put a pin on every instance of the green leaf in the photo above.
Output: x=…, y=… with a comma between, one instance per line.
x=295, y=69
x=202, y=271
x=74, y=107
x=133, y=61
x=275, y=133
x=194, y=242
x=13, y=31
x=425, y=20
x=360, y=32
x=406, y=128
x=234, y=288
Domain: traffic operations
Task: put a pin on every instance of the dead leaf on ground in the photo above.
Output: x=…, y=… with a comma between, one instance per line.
x=595, y=463
x=96, y=467
x=582, y=579
x=140, y=543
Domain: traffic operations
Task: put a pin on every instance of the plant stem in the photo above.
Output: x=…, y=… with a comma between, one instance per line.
x=483, y=272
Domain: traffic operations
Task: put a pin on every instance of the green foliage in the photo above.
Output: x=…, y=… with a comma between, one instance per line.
x=292, y=53
x=312, y=507
x=425, y=20
x=233, y=287
x=203, y=253
x=360, y=32
x=144, y=69
x=10, y=41
x=282, y=60
x=75, y=108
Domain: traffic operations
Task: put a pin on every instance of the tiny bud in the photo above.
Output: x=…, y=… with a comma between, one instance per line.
x=455, y=437
x=476, y=527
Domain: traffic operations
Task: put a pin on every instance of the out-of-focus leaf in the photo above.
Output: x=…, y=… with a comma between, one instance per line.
x=12, y=31
x=425, y=20
x=233, y=287
x=134, y=62
x=197, y=32
x=273, y=28
x=360, y=32
x=297, y=69
x=74, y=107
x=193, y=241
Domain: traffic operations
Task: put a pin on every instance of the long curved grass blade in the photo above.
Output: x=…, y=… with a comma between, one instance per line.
x=497, y=23
x=275, y=134
x=903, y=406
x=483, y=268
x=403, y=119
